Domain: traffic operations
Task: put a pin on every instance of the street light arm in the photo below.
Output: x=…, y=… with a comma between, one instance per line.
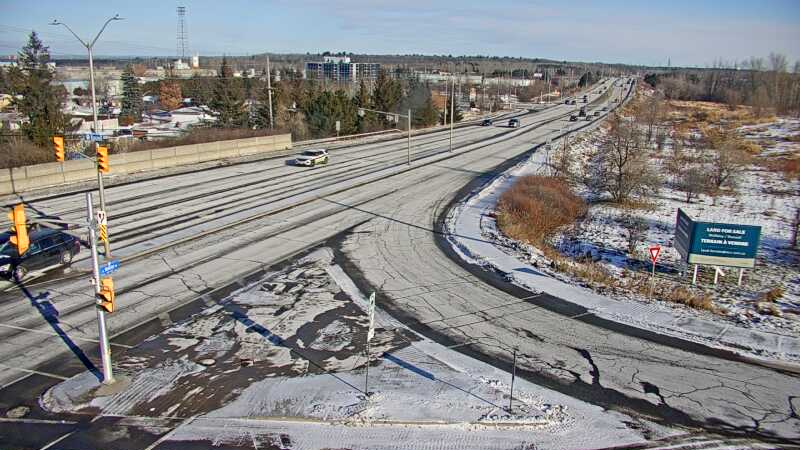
x=55, y=22
x=116, y=17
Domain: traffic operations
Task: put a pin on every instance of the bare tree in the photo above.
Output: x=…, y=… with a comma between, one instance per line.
x=727, y=163
x=692, y=183
x=621, y=166
x=651, y=114
x=635, y=231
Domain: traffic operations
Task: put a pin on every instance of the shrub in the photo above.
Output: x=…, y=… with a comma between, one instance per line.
x=771, y=295
x=24, y=153
x=536, y=206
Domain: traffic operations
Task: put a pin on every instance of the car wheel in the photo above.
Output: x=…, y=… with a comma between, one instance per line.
x=66, y=258
x=19, y=273
x=325, y=161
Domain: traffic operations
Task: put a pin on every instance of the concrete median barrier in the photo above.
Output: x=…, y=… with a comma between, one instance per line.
x=20, y=179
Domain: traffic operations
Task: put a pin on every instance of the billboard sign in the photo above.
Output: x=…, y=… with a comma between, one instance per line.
x=716, y=244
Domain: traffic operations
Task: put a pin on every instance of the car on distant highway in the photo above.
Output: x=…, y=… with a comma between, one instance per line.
x=48, y=249
x=588, y=117
x=573, y=118
x=310, y=158
x=597, y=113
x=566, y=102
x=604, y=108
x=486, y=122
x=513, y=123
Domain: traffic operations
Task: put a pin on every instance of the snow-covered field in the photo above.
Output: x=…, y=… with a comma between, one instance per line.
x=764, y=198
x=285, y=356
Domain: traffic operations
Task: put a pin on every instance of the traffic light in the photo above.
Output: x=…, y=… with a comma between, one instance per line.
x=105, y=298
x=58, y=146
x=19, y=228
x=102, y=159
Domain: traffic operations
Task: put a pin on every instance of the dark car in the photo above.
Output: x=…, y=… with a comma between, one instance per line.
x=486, y=122
x=573, y=118
x=597, y=113
x=513, y=123
x=48, y=249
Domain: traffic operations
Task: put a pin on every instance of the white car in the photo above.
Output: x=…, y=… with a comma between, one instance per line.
x=311, y=158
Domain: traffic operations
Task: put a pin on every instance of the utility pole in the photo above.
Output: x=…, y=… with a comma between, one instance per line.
x=269, y=95
x=105, y=350
x=409, y=137
x=89, y=47
x=513, y=375
x=452, y=110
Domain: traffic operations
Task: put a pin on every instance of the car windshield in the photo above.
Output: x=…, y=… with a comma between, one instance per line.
x=7, y=249
x=312, y=153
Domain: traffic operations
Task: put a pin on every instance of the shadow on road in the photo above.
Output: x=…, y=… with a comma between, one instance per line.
x=49, y=312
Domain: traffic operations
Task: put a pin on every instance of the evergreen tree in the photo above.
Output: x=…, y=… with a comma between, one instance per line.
x=363, y=99
x=38, y=100
x=387, y=94
x=131, y=96
x=444, y=117
x=228, y=99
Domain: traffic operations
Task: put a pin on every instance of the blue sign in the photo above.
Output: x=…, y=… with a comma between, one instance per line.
x=110, y=267
x=717, y=244
x=94, y=137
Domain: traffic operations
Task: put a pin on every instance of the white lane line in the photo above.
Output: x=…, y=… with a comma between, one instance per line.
x=169, y=433
x=53, y=333
x=51, y=375
x=52, y=443
x=57, y=422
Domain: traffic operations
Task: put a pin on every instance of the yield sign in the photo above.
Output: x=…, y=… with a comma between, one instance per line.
x=654, y=251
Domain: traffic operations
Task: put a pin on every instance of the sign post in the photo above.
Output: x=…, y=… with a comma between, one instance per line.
x=370, y=335
x=716, y=244
x=654, y=252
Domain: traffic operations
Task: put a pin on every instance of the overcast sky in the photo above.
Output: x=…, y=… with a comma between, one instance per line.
x=695, y=32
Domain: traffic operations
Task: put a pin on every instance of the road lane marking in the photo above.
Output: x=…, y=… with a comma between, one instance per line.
x=53, y=333
x=47, y=374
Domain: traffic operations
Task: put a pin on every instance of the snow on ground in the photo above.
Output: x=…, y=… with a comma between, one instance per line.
x=763, y=200
x=287, y=354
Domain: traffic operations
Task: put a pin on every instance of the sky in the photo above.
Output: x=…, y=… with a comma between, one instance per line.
x=685, y=32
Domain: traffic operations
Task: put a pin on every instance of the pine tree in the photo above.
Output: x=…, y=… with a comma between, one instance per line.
x=39, y=100
x=387, y=94
x=228, y=99
x=444, y=117
x=131, y=96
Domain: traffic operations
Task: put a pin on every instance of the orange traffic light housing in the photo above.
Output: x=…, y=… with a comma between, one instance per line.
x=58, y=147
x=102, y=159
x=105, y=298
x=19, y=228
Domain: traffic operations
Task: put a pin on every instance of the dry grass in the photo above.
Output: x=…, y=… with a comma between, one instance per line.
x=771, y=295
x=789, y=167
x=536, y=206
x=687, y=115
x=195, y=136
x=24, y=153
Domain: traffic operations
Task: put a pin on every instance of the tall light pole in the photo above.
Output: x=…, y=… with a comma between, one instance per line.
x=89, y=47
x=362, y=111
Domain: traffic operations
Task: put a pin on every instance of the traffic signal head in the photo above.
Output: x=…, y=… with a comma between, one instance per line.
x=19, y=228
x=58, y=147
x=105, y=298
x=102, y=159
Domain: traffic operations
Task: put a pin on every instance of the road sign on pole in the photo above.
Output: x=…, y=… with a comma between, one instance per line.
x=654, y=252
x=109, y=268
x=371, y=314
x=370, y=335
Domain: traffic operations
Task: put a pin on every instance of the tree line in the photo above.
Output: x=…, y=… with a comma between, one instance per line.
x=764, y=84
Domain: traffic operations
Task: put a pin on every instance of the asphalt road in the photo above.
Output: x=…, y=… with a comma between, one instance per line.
x=183, y=235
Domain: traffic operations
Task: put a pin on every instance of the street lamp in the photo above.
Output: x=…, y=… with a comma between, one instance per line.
x=362, y=111
x=94, y=110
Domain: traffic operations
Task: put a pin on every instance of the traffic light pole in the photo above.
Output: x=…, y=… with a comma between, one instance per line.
x=105, y=349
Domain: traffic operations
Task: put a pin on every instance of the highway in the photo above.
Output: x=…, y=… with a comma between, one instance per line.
x=180, y=237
